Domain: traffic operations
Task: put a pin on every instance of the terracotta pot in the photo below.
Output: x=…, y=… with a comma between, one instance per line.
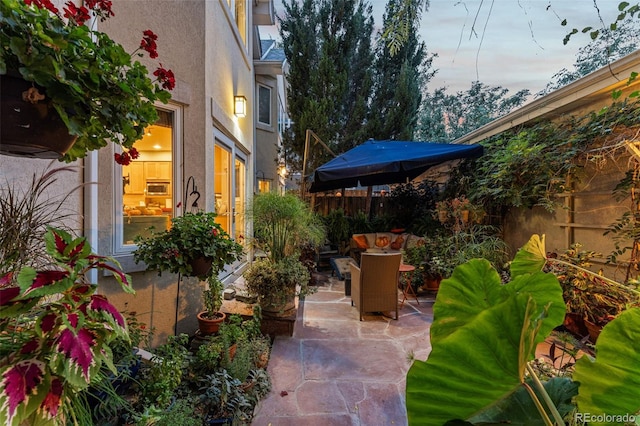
x=593, y=329
x=201, y=266
x=277, y=309
x=30, y=129
x=432, y=284
x=209, y=326
x=574, y=323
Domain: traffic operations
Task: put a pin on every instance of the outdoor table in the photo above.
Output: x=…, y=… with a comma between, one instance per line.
x=405, y=268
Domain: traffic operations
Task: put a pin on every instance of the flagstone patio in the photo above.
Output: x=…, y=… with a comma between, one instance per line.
x=337, y=370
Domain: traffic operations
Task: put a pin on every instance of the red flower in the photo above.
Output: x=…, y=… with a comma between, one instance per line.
x=214, y=231
x=42, y=4
x=134, y=153
x=102, y=8
x=123, y=159
x=148, y=43
x=77, y=14
x=165, y=77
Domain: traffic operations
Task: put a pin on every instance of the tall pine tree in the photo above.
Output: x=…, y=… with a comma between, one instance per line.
x=328, y=46
x=400, y=72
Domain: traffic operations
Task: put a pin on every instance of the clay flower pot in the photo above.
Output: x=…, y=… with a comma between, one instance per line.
x=208, y=326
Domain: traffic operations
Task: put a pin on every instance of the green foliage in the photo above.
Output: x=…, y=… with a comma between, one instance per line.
x=586, y=294
x=483, y=332
x=399, y=73
x=163, y=374
x=25, y=213
x=328, y=47
x=529, y=167
x=408, y=203
x=337, y=226
x=606, y=46
x=359, y=224
x=56, y=332
x=484, y=335
x=101, y=92
x=446, y=117
x=191, y=236
x=212, y=296
x=610, y=383
x=222, y=397
x=183, y=413
x=283, y=224
x=276, y=282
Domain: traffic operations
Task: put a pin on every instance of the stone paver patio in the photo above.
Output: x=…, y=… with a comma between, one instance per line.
x=337, y=370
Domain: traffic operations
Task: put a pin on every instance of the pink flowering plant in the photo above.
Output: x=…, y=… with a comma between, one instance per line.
x=102, y=93
x=55, y=333
x=191, y=236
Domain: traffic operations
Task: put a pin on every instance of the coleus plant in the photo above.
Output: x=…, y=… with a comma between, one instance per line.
x=55, y=332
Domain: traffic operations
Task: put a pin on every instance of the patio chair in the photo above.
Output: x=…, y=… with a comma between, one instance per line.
x=374, y=285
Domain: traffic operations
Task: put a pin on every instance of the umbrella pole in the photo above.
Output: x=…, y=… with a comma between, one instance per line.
x=368, y=202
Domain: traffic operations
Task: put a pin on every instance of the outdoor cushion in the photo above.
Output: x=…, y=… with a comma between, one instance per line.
x=383, y=240
x=361, y=241
x=414, y=241
x=399, y=241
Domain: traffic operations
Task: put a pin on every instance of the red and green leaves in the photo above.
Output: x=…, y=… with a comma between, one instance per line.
x=61, y=331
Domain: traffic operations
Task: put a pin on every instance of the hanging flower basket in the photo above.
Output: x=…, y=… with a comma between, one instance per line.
x=31, y=127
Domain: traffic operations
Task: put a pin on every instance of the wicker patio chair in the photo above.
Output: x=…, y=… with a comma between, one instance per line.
x=374, y=285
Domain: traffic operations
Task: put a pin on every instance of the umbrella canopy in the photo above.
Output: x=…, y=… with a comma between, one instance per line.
x=384, y=162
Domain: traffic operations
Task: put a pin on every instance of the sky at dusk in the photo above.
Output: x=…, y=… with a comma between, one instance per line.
x=516, y=44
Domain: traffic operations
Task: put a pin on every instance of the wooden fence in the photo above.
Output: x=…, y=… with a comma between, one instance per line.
x=351, y=204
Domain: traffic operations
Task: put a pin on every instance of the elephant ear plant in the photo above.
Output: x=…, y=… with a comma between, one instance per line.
x=55, y=333
x=484, y=336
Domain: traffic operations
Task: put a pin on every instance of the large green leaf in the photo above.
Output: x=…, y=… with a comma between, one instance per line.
x=530, y=258
x=485, y=334
x=471, y=369
x=519, y=408
x=610, y=384
x=476, y=286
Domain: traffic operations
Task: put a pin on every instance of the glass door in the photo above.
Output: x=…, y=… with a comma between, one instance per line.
x=230, y=187
x=240, y=191
x=222, y=187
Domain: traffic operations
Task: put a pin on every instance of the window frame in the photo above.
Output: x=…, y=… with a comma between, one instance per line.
x=117, y=230
x=270, y=112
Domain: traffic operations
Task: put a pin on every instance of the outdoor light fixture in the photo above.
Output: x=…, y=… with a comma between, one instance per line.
x=282, y=170
x=239, y=106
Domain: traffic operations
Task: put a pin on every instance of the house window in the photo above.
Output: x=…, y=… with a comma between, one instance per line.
x=146, y=194
x=239, y=11
x=264, y=105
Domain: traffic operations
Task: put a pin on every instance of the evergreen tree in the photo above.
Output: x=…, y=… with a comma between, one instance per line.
x=398, y=80
x=609, y=45
x=447, y=117
x=328, y=46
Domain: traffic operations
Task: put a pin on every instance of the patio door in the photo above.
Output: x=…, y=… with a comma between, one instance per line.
x=230, y=177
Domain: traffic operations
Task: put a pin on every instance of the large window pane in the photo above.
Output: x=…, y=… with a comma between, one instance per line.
x=264, y=105
x=147, y=182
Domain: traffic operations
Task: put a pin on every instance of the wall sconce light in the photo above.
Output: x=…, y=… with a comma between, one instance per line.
x=282, y=170
x=239, y=106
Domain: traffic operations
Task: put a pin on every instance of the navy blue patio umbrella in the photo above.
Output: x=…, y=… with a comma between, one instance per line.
x=385, y=162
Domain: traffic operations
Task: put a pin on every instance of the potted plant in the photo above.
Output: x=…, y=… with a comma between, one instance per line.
x=210, y=319
x=592, y=300
x=283, y=224
x=56, y=67
x=195, y=245
x=56, y=334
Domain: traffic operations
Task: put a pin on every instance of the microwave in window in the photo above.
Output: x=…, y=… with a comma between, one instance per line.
x=158, y=188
